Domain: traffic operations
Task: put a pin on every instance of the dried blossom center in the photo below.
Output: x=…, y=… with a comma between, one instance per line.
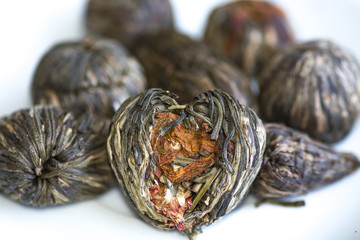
x=180, y=155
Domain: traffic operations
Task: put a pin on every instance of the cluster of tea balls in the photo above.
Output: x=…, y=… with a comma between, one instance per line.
x=78, y=87
x=311, y=86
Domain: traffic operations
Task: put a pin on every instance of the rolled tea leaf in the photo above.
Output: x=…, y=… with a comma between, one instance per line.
x=294, y=164
x=89, y=76
x=49, y=158
x=126, y=20
x=313, y=87
x=184, y=166
x=249, y=32
x=175, y=62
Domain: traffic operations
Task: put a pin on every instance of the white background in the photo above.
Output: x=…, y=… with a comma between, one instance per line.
x=29, y=28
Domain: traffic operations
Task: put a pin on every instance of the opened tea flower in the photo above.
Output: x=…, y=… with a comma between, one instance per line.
x=184, y=166
x=92, y=76
x=249, y=32
x=49, y=158
x=294, y=164
x=175, y=62
x=126, y=20
x=313, y=87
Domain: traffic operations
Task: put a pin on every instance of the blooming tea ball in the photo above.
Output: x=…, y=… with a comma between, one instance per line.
x=249, y=32
x=313, y=87
x=185, y=166
x=187, y=67
x=127, y=20
x=49, y=158
x=88, y=76
x=294, y=164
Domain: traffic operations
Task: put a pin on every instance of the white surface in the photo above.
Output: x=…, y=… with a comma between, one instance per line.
x=29, y=28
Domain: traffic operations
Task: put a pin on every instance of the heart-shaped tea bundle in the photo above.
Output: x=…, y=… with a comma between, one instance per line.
x=184, y=166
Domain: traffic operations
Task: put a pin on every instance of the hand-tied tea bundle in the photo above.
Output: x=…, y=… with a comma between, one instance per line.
x=294, y=163
x=175, y=62
x=49, y=158
x=127, y=20
x=313, y=87
x=184, y=166
x=249, y=32
x=181, y=166
x=89, y=76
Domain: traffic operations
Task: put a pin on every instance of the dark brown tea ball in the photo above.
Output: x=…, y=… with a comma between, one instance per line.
x=294, y=164
x=313, y=87
x=249, y=32
x=186, y=67
x=49, y=158
x=126, y=20
x=89, y=76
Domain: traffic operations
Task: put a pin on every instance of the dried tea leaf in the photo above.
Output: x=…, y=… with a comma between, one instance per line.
x=89, y=76
x=175, y=62
x=249, y=32
x=313, y=87
x=49, y=158
x=126, y=20
x=184, y=166
x=294, y=164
